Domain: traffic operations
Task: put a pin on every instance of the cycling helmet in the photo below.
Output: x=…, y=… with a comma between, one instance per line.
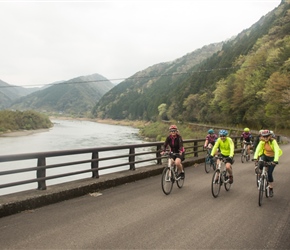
x=272, y=133
x=223, y=132
x=265, y=132
x=173, y=127
x=246, y=129
x=210, y=131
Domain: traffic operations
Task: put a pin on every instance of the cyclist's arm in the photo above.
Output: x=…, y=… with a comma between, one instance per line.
x=276, y=150
x=232, y=148
x=259, y=148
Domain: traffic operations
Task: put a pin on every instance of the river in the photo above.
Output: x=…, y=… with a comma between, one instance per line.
x=64, y=135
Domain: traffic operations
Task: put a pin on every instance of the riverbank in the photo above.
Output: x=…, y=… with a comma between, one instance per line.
x=22, y=132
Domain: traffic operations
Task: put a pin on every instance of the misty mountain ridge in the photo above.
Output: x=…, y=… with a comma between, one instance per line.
x=74, y=97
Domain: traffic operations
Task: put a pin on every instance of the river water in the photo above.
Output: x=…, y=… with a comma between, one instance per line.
x=65, y=135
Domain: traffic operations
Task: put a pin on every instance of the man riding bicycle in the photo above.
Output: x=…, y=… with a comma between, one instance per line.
x=226, y=147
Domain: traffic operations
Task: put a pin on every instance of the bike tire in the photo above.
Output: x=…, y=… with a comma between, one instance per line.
x=180, y=182
x=242, y=156
x=216, y=186
x=207, y=164
x=227, y=185
x=167, y=180
x=261, y=190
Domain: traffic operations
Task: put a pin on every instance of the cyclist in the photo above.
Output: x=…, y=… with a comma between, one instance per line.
x=268, y=150
x=175, y=142
x=226, y=147
x=246, y=137
x=210, y=138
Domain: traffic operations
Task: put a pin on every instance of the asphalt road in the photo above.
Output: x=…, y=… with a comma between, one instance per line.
x=139, y=216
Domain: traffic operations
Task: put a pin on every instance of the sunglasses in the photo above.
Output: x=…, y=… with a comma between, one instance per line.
x=222, y=136
x=173, y=131
x=266, y=136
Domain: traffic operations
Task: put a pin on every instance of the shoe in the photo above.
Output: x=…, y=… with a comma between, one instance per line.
x=231, y=179
x=181, y=175
x=271, y=193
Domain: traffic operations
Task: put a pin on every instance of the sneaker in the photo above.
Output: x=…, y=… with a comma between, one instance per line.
x=271, y=193
x=182, y=175
x=231, y=179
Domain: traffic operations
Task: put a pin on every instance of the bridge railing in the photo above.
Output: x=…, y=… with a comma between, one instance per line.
x=90, y=161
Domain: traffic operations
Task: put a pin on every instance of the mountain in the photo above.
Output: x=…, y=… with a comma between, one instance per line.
x=10, y=93
x=139, y=96
x=75, y=97
x=243, y=81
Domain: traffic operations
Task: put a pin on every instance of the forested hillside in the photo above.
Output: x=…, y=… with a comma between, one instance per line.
x=10, y=93
x=75, y=97
x=246, y=82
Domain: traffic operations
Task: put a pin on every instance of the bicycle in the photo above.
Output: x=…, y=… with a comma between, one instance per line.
x=220, y=177
x=244, y=154
x=170, y=175
x=262, y=181
x=208, y=162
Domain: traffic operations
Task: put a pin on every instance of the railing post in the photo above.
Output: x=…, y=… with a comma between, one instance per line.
x=95, y=165
x=41, y=173
x=195, y=148
x=158, y=155
x=132, y=158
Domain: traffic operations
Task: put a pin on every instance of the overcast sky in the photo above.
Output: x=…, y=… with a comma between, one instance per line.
x=46, y=41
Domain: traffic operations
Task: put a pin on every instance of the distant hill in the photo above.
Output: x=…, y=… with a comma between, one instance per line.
x=75, y=97
x=10, y=93
x=243, y=82
x=139, y=96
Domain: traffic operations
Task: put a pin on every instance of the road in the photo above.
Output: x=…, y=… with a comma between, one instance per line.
x=139, y=216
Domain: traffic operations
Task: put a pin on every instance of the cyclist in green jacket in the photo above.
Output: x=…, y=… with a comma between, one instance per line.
x=226, y=147
x=268, y=150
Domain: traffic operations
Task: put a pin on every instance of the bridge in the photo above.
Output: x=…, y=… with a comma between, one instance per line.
x=137, y=215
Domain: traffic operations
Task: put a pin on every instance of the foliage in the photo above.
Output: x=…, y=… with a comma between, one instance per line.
x=244, y=82
x=27, y=120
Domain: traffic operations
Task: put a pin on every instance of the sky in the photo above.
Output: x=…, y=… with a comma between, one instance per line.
x=48, y=41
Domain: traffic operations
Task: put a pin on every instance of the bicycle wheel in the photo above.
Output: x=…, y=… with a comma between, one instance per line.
x=243, y=156
x=167, y=180
x=227, y=184
x=207, y=162
x=180, y=181
x=261, y=190
x=216, y=183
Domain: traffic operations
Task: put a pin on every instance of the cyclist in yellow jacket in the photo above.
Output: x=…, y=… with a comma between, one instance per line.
x=268, y=150
x=226, y=147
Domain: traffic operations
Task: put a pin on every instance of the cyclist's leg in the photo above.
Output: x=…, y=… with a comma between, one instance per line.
x=179, y=166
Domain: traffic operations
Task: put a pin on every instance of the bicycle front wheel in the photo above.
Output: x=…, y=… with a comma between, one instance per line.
x=216, y=183
x=207, y=162
x=243, y=157
x=261, y=190
x=167, y=180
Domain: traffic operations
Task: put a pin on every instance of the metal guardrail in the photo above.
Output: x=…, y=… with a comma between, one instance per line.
x=131, y=158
